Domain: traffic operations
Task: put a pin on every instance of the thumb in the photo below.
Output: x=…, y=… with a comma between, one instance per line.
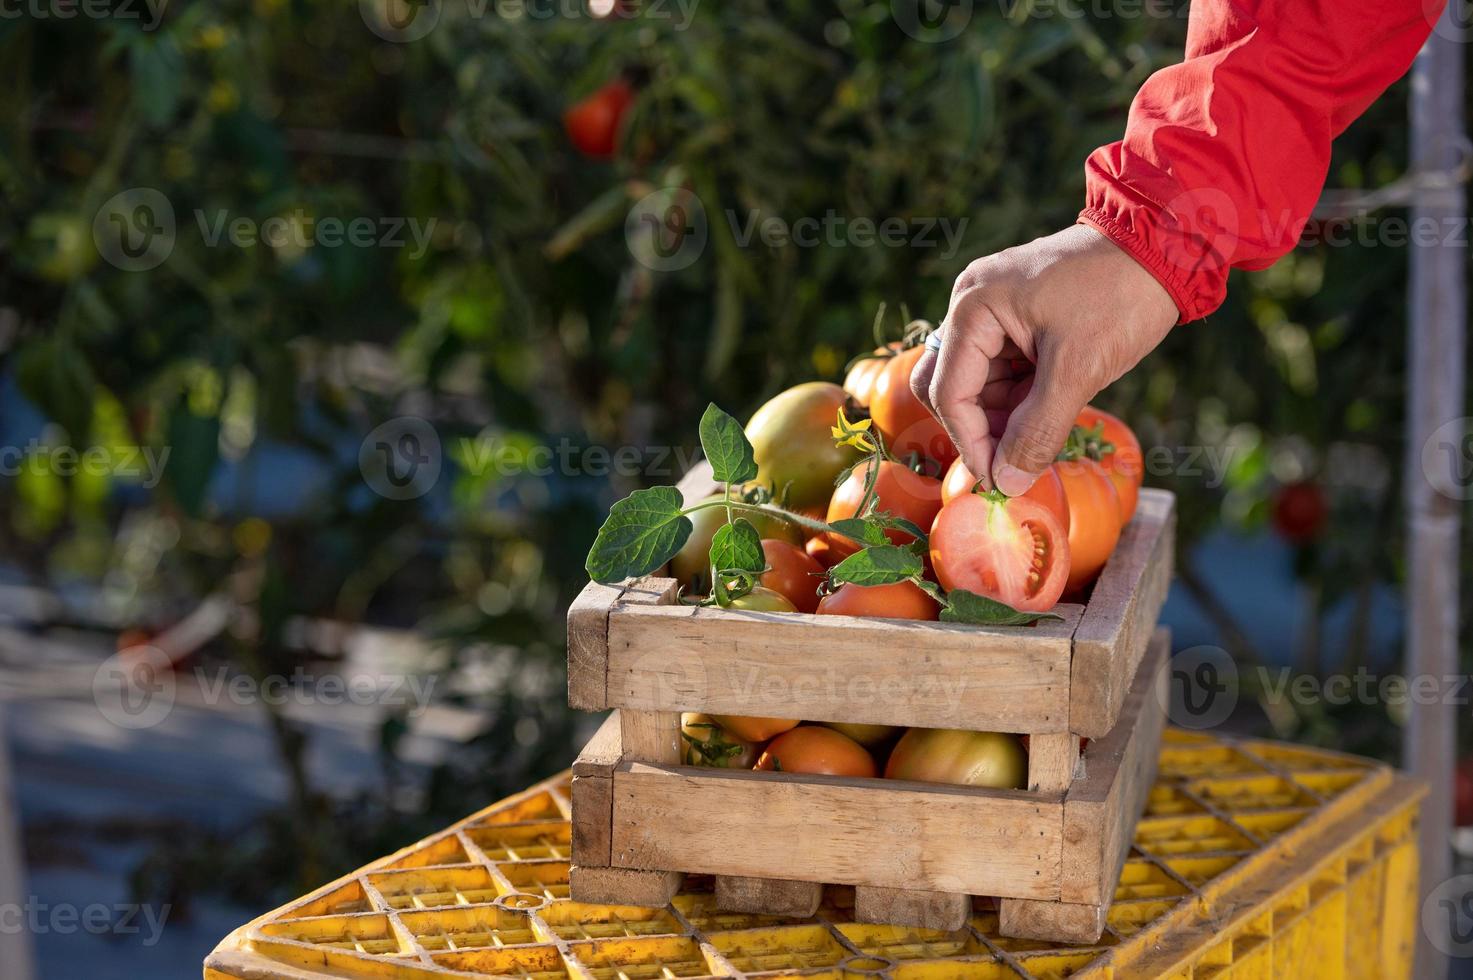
x=1038, y=428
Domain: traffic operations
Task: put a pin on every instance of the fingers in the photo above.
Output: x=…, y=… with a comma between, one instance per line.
x=1038, y=428
x=966, y=382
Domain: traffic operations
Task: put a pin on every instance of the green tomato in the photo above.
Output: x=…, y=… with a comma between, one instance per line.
x=763, y=600
x=691, y=566
x=794, y=448
x=867, y=735
x=945, y=755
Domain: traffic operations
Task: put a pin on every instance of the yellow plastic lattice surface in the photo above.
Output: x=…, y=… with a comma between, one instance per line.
x=1253, y=860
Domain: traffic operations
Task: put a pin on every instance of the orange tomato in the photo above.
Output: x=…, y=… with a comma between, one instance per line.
x=1047, y=490
x=861, y=378
x=819, y=550
x=818, y=750
x=899, y=600
x=900, y=491
x=792, y=573
x=907, y=425
x=754, y=729
x=1125, y=464
x=1094, y=519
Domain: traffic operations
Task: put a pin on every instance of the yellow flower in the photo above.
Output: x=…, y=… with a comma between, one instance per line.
x=854, y=434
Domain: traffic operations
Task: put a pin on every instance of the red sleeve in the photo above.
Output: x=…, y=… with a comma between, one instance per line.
x=1225, y=154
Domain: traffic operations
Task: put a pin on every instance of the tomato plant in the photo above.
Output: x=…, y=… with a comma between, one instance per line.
x=593, y=123
x=1014, y=550
x=796, y=455
x=898, y=600
x=1047, y=490
x=818, y=750
x=1300, y=512
x=706, y=743
x=1094, y=519
x=793, y=573
x=946, y=755
x=691, y=566
x=899, y=490
x=905, y=422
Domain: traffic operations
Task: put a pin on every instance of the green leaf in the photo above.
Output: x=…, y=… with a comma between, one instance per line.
x=643, y=531
x=968, y=607
x=726, y=446
x=878, y=566
x=885, y=519
x=863, y=530
x=737, y=547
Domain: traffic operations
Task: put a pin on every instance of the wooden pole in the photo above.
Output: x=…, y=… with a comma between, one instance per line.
x=1437, y=315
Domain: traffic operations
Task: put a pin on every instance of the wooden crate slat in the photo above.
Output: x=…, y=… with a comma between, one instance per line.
x=588, y=634
x=1100, y=810
x=1122, y=610
x=841, y=668
x=767, y=896
x=888, y=833
x=593, y=795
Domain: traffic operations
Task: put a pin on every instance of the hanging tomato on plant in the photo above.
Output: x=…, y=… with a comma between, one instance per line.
x=1300, y=512
x=593, y=123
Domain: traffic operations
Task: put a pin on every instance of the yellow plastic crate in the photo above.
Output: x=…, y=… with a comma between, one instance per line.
x=1253, y=860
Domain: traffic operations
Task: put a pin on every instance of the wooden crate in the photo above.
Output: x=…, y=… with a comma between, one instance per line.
x=916, y=852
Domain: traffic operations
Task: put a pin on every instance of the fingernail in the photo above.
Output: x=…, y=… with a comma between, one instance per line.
x=1011, y=480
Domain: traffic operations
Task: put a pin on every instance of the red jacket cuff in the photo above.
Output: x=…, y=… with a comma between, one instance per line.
x=1196, y=287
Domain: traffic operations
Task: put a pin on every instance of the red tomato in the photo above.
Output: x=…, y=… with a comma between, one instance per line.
x=860, y=381
x=1300, y=512
x=900, y=491
x=791, y=572
x=818, y=750
x=899, y=600
x=1125, y=465
x=907, y=425
x=947, y=755
x=1094, y=519
x=754, y=729
x=1047, y=490
x=1013, y=550
x=818, y=549
x=593, y=123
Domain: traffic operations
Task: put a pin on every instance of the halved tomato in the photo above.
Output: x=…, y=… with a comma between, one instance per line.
x=947, y=755
x=1013, y=550
x=819, y=750
x=792, y=573
x=901, y=491
x=1047, y=490
x=905, y=422
x=1094, y=519
x=899, y=600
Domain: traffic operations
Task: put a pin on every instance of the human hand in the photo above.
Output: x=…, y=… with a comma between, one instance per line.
x=1031, y=335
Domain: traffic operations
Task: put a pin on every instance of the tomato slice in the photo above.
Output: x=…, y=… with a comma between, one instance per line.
x=1013, y=550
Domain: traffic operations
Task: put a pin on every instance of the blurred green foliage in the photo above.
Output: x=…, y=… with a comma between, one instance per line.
x=527, y=322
